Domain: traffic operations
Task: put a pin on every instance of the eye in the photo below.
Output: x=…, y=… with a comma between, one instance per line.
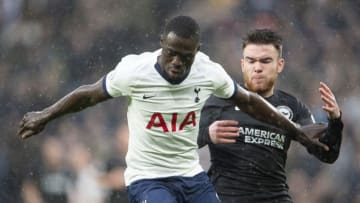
x=187, y=57
x=266, y=60
x=170, y=52
x=250, y=60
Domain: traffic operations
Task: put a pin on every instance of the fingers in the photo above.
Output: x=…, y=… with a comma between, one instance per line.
x=28, y=126
x=228, y=133
x=325, y=87
x=225, y=141
x=225, y=131
x=24, y=131
x=27, y=133
x=315, y=131
x=330, y=104
x=21, y=129
x=326, y=94
x=226, y=128
x=324, y=146
x=227, y=123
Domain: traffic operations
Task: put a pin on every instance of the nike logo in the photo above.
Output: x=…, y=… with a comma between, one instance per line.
x=148, y=96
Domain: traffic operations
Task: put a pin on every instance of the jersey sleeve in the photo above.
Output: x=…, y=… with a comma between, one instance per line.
x=225, y=86
x=332, y=139
x=304, y=115
x=118, y=81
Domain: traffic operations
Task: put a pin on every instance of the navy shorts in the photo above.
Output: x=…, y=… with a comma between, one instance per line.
x=176, y=189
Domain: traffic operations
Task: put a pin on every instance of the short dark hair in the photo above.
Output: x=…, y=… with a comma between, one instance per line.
x=263, y=36
x=182, y=26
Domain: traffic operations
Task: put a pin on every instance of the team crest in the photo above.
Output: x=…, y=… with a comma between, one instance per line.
x=197, y=90
x=286, y=111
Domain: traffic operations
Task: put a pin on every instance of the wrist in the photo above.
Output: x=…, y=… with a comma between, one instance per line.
x=335, y=118
x=46, y=116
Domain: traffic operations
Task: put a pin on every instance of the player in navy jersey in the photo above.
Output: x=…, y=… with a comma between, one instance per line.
x=248, y=157
x=166, y=90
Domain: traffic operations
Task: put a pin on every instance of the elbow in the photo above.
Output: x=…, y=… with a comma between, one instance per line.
x=89, y=95
x=328, y=157
x=331, y=158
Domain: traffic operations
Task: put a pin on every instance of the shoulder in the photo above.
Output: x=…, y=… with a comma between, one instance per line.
x=133, y=64
x=208, y=68
x=288, y=99
x=202, y=58
x=203, y=61
x=130, y=70
x=285, y=95
x=138, y=59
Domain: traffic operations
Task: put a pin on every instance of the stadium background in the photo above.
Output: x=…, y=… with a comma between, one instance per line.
x=50, y=47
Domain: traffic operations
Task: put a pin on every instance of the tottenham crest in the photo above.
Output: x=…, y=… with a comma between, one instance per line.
x=286, y=111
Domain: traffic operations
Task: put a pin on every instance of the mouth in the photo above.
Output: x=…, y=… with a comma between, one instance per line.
x=175, y=72
x=258, y=78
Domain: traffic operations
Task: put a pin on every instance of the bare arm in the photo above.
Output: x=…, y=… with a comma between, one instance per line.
x=254, y=105
x=77, y=100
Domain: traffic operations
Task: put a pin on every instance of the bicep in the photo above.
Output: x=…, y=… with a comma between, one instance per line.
x=98, y=92
x=241, y=97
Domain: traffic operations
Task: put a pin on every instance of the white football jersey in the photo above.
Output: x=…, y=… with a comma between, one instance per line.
x=163, y=118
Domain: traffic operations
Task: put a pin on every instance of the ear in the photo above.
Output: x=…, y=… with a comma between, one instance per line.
x=162, y=40
x=281, y=64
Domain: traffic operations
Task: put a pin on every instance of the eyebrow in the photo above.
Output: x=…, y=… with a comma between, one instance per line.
x=180, y=53
x=265, y=58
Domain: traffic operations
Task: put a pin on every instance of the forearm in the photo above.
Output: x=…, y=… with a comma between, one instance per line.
x=84, y=96
x=75, y=101
x=333, y=139
x=262, y=110
x=333, y=135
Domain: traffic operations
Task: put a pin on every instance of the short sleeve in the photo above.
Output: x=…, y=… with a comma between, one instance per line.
x=118, y=81
x=225, y=86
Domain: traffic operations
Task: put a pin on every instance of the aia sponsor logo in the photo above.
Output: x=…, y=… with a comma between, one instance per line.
x=157, y=120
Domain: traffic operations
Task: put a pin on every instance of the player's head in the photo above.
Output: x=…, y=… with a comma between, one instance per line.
x=180, y=40
x=262, y=60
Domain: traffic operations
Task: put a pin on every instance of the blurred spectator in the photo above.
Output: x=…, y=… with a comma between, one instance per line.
x=85, y=186
x=113, y=179
x=50, y=181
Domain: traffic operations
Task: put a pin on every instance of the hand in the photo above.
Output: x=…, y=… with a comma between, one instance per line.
x=313, y=133
x=31, y=124
x=330, y=106
x=224, y=132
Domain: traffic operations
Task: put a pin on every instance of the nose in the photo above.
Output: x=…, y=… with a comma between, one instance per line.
x=177, y=61
x=258, y=67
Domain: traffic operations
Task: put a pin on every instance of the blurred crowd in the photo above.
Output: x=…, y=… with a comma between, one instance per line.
x=50, y=47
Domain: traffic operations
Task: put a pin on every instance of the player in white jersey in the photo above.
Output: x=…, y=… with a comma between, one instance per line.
x=163, y=119
x=166, y=90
